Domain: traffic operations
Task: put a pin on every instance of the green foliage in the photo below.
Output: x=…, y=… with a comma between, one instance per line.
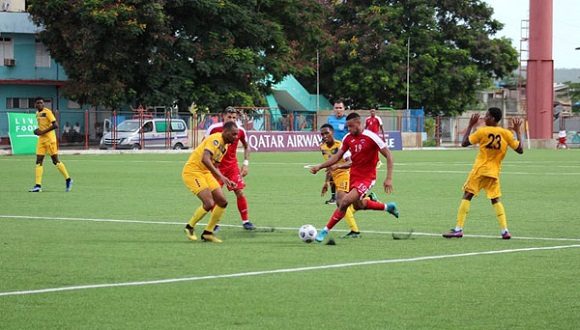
x=214, y=53
x=452, y=53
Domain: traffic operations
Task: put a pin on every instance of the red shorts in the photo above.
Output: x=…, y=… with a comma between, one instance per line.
x=233, y=173
x=363, y=186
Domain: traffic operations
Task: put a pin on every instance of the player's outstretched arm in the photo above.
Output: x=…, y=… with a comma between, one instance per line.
x=388, y=183
x=517, y=124
x=472, y=121
x=206, y=160
x=335, y=158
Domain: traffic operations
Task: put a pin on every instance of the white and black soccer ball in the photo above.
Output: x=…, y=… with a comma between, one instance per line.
x=307, y=233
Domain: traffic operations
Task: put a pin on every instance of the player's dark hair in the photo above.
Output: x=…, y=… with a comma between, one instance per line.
x=338, y=101
x=38, y=98
x=229, y=125
x=327, y=126
x=495, y=113
x=230, y=109
x=353, y=115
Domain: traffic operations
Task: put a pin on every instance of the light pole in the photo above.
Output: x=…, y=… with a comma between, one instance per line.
x=408, y=71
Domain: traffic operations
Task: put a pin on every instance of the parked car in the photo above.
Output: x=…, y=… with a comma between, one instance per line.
x=128, y=135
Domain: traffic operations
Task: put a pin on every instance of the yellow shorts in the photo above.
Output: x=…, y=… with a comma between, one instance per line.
x=477, y=182
x=198, y=181
x=341, y=181
x=44, y=147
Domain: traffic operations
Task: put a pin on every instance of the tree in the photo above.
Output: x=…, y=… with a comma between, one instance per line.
x=214, y=53
x=452, y=54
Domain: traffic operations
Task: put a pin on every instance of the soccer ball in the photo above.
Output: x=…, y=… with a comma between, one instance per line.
x=307, y=233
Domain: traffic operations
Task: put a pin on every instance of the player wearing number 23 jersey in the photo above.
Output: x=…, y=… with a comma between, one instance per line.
x=493, y=143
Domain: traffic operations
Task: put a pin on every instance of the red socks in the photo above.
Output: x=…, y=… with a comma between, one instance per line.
x=243, y=207
x=335, y=218
x=372, y=205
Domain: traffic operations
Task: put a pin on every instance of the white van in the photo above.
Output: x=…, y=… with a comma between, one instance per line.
x=128, y=135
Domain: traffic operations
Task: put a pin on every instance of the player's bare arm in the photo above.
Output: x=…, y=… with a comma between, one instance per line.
x=332, y=160
x=340, y=166
x=39, y=131
x=388, y=183
x=517, y=124
x=206, y=160
x=472, y=122
x=246, y=162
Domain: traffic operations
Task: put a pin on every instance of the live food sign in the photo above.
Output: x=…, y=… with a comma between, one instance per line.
x=21, y=128
x=302, y=141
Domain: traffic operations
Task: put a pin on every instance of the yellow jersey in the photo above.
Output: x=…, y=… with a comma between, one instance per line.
x=45, y=117
x=327, y=152
x=215, y=145
x=493, y=142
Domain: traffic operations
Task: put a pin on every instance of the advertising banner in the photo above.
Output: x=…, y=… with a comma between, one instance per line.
x=21, y=128
x=260, y=141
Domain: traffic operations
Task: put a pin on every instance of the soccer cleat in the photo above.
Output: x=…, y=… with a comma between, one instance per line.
x=321, y=235
x=392, y=209
x=36, y=188
x=352, y=234
x=373, y=197
x=248, y=226
x=332, y=200
x=216, y=228
x=69, y=183
x=190, y=232
x=453, y=233
x=208, y=236
x=506, y=235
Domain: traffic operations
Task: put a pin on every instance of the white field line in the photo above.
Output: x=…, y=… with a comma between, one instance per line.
x=281, y=271
x=172, y=223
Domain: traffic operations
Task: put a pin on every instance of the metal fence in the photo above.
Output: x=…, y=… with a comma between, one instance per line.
x=86, y=129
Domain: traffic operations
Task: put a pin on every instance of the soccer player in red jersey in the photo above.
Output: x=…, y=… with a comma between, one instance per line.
x=374, y=124
x=364, y=147
x=229, y=164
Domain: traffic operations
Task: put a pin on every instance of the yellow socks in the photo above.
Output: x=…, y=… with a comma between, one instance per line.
x=197, y=215
x=349, y=218
x=62, y=169
x=38, y=174
x=462, y=212
x=216, y=215
x=500, y=214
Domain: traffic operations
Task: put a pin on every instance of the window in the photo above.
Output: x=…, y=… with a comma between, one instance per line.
x=6, y=49
x=24, y=103
x=42, y=55
x=177, y=126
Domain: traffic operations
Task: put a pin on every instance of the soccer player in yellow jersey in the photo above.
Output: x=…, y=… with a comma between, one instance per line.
x=199, y=175
x=47, y=144
x=493, y=143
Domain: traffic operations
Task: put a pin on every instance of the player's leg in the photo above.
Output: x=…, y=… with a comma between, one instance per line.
x=470, y=188
x=338, y=214
x=342, y=183
x=38, y=171
x=217, y=212
x=242, y=204
x=493, y=190
x=53, y=151
x=363, y=188
x=332, y=199
x=196, y=183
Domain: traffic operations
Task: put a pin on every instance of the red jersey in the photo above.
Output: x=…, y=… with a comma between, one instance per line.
x=373, y=124
x=364, y=149
x=230, y=158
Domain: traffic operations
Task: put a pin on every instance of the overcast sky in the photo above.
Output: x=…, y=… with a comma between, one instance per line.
x=566, y=27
